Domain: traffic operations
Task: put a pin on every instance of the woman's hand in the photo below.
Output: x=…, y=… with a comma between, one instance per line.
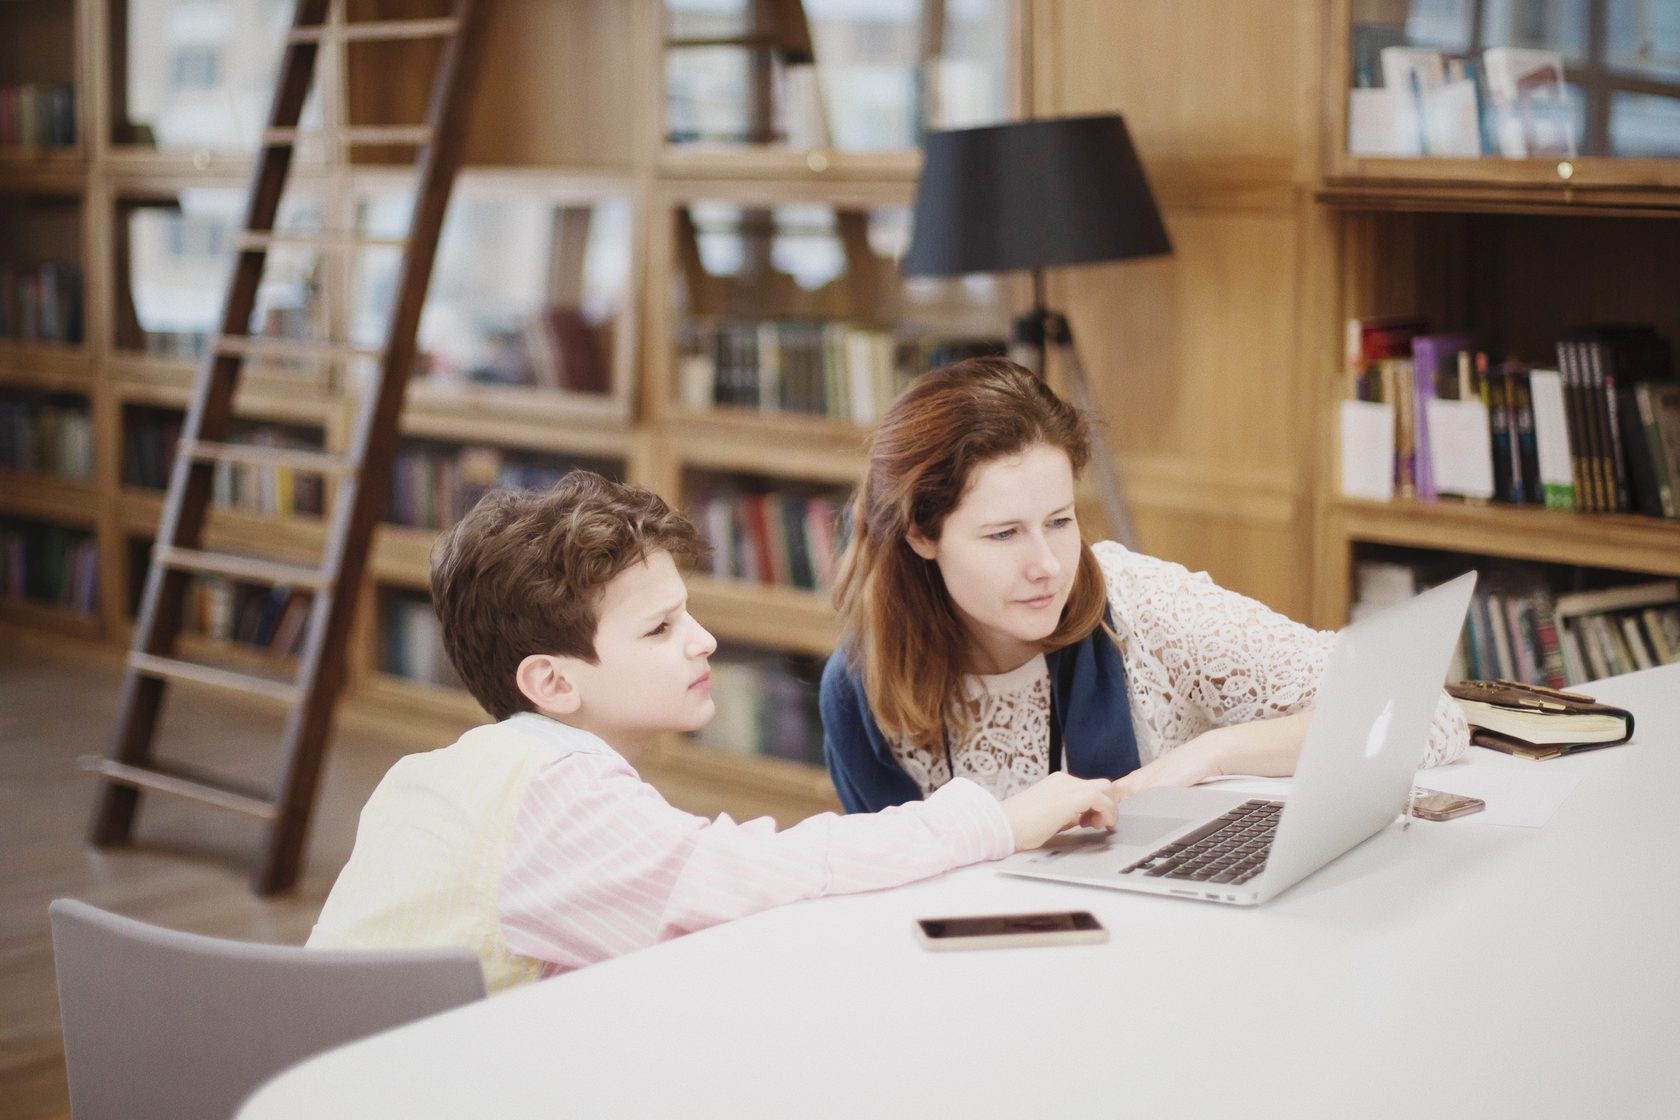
x=1059, y=802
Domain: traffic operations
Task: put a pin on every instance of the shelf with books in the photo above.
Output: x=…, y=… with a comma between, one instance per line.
x=41, y=284
x=1558, y=625
x=1526, y=96
x=225, y=621
x=45, y=434
x=49, y=562
x=530, y=307
x=149, y=435
x=39, y=72
x=1498, y=361
x=786, y=303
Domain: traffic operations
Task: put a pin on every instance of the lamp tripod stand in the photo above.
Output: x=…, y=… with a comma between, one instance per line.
x=1031, y=339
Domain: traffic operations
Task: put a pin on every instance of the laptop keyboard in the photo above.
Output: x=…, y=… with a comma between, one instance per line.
x=1228, y=849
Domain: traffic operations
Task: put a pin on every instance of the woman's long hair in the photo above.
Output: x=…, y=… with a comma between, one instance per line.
x=902, y=631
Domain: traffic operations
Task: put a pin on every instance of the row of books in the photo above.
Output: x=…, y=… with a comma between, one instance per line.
x=49, y=564
x=766, y=706
x=41, y=303
x=844, y=371
x=43, y=434
x=255, y=615
x=1519, y=629
x=433, y=485
x=1600, y=433
x=774, y=537
x=1506, y=101
x=411, y=639
x=38, y=115
x=150, y=437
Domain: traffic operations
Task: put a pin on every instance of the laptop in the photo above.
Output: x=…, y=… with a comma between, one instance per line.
x=1368, y=734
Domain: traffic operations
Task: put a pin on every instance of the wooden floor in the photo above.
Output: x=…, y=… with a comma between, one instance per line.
x=189, y=868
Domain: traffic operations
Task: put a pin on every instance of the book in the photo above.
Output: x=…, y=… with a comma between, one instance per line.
x=1529, y=101
x=1434, y=376
x=1537, y=721
x=1551, y=439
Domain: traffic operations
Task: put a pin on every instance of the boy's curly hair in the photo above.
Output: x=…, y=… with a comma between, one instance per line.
x=522, y=573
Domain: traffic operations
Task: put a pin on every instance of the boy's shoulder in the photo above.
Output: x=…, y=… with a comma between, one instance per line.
x=520, y=742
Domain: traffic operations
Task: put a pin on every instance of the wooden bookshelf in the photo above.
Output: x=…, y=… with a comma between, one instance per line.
x=1516, y=250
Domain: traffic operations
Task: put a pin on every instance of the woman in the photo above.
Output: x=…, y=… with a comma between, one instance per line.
x=982, y=637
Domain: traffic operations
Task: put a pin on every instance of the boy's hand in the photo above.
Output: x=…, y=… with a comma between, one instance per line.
x=1059, y=802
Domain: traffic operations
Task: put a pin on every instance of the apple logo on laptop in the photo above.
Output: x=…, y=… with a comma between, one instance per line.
x=1379, y=731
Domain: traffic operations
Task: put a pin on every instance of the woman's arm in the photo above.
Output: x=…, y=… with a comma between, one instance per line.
x=1268, y=748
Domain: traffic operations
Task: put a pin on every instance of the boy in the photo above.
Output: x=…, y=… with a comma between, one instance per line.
x=532, y=839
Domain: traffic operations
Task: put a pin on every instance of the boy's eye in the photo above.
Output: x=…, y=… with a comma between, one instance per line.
x=658, y=630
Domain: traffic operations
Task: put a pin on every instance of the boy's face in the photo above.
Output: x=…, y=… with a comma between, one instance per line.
x=651, y=670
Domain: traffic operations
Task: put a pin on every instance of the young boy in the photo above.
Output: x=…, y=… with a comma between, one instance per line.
x=533, y=840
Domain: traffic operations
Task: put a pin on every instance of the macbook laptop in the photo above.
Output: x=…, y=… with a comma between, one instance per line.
x=1368, y=734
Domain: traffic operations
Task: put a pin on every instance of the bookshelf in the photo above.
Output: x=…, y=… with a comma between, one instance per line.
x=1517, y=246
x=602, y=237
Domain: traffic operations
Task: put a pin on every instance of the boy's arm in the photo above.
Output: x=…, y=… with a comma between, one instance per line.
x=600, y=864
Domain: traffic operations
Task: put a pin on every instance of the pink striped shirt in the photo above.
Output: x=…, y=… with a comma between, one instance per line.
x=600, y=864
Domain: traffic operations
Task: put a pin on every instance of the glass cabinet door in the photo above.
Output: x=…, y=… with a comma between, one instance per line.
x=196, y=77
x=1575, y=85
x=845, y=75
x=531, y=289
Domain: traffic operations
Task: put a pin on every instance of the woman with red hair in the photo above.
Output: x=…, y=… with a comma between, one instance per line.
x=982, y=637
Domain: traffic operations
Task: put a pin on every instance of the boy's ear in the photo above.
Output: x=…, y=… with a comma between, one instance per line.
x=546, y=681
x=920, y=543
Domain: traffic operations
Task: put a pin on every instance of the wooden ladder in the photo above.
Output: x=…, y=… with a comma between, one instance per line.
x=358, y=480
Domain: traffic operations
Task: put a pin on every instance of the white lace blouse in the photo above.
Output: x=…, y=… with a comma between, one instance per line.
x=1197, y=657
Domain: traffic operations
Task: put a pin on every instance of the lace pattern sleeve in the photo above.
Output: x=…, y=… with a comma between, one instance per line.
x=1199, y=656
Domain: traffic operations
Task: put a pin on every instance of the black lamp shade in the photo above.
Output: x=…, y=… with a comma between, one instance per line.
x=1032, y=195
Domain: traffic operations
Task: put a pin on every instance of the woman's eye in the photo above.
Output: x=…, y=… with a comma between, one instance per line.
x=1060, y=522
x=1001, y=535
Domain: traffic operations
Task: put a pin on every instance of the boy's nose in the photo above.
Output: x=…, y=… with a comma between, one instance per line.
x=702, y=644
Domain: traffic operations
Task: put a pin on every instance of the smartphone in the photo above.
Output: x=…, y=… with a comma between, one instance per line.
x=1432, y=805
x=1008, y=931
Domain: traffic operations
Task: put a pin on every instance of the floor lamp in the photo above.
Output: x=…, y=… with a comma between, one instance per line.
x=1034, y=195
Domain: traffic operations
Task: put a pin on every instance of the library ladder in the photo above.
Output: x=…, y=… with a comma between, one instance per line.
x=357, y=480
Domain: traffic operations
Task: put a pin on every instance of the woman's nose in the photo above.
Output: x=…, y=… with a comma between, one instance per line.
x=1043, y=563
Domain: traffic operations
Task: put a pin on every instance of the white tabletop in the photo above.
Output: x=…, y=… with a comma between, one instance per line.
x=1447, y=970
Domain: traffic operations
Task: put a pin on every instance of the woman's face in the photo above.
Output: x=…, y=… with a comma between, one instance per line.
x=1008, y=554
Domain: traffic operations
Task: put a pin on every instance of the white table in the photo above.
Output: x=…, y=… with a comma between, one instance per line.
x=1448, y=970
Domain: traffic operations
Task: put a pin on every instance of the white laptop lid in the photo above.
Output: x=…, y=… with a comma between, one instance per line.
x=1369, y=731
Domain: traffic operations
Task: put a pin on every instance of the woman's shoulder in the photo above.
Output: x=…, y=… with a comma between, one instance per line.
x=1122, y=566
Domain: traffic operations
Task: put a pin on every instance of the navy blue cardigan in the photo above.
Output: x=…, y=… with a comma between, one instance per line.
x=1088, y=703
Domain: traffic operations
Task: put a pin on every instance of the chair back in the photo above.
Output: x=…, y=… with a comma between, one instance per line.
x=164, y=1024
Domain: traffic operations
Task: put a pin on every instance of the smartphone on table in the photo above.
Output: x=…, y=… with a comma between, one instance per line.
x=1009, y=931
x=1433, y=805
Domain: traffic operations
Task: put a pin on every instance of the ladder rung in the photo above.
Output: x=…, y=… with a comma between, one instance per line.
x=240, y=567
x=163, y=782
x=399, y=134
x=251, y=240
x=273, y=347
x=378, y=30
x=171, y=668
x=297, y=458
x=723, y=41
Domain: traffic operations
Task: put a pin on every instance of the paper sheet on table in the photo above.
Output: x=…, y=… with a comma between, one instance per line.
x=1525, y=795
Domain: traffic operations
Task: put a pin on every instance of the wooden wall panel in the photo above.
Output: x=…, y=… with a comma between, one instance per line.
x=1198, y=360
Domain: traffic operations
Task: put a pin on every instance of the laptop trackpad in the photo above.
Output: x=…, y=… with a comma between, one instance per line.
x=1146, y=831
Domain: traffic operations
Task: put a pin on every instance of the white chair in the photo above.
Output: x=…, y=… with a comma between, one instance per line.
x=175, y=1026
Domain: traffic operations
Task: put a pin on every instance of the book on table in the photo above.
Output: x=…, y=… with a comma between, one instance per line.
x=1533, y=721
